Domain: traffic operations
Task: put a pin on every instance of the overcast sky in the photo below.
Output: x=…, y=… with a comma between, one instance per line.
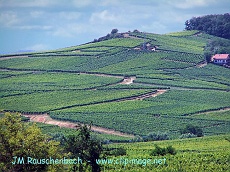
x=51, y=24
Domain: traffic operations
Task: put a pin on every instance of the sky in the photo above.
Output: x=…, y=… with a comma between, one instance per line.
x=51, y=24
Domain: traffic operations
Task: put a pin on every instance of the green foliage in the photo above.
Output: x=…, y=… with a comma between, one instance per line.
x=171, y=150
x=217, y=25
x=217, y=46
x=115, y=151
x=156, y=136
x=114, y=34
x=59, y=137
x=114, y=31
x=21, y=140
x=163, y=151
x=82, y=145
x=195, y=154
x=119, y=152
x=193, y=130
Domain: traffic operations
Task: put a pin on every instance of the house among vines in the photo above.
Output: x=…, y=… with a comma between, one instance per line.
x=220, y=59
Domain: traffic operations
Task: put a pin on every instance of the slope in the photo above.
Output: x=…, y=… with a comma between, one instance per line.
x=85, y=83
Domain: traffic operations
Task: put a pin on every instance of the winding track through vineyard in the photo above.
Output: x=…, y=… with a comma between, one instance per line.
x=46, y=119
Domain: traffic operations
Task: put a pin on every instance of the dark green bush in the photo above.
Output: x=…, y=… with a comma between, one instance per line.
x=163, y=151
x=171, y=150
x=118, y=152
x=156, y=136
x=114, y=151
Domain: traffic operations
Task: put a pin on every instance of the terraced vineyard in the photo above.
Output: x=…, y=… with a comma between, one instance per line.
x=116, y=83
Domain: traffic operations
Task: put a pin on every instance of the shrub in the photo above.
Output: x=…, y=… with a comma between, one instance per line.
x=59, y=137
x=158, y=151
x=114, y=151
x=156, y=136
x=171, y=150
x=163, y=151
x=118, y=152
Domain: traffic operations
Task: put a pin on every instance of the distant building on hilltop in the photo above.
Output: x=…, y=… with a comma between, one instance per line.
x=220, y=59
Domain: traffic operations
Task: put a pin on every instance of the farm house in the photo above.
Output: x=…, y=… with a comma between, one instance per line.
x=221, y=59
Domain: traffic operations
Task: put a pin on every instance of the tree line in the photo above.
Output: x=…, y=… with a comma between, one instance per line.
x=217, y=25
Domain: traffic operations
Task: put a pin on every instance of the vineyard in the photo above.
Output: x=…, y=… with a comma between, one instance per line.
x=197, y=154
x=88, y=84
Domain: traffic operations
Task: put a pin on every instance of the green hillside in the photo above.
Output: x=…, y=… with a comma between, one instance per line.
x=137, y=84
x=196, y=154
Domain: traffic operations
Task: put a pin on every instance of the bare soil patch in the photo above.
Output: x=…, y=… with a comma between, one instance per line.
x=128, y=80
x=45, y=118
x=148, y=95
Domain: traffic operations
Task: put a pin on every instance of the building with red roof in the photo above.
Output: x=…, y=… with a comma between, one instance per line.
x=220, y=59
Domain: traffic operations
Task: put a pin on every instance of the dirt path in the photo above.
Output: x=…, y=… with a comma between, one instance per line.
x=12, y=57
x=46, y=119
x=159, y=92
x=211, y=111
x=148, y=95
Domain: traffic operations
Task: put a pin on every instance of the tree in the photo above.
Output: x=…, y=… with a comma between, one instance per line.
x=218, y=25
x=192, y=130
x=85, y=147
x=114, y=31
x=20, y=141
x=216, y=46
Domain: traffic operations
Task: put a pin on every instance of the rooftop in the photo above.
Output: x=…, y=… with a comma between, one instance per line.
x=220, y=56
